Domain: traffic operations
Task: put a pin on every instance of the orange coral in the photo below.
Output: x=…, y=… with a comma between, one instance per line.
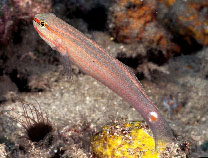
x=190, y=20
x=135, y=20
x=168, y=2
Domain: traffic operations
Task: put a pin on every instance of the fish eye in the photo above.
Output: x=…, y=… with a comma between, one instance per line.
x=42, y=23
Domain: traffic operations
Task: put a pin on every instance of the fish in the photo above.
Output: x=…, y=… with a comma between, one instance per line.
x=95, y=61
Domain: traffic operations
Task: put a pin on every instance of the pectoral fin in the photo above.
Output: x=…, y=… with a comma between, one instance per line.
x=66, y=64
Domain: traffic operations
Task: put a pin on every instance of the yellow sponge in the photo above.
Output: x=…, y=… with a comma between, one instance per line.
x=128, y=140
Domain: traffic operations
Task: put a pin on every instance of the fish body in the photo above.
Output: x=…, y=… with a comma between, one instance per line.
x=75, y=47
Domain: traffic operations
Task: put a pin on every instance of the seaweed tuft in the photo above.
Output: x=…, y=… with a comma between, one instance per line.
x=35, y=122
